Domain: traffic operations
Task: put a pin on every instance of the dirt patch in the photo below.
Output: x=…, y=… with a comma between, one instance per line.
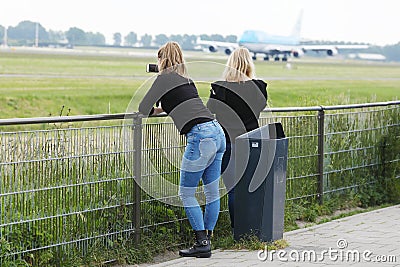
x=166, y=256
x=163, y=257
x=304, y=224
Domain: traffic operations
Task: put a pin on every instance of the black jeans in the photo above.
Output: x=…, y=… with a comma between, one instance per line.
x=228, y=176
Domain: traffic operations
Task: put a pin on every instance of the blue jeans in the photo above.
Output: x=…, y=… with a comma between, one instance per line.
x=202, y=160
x=228, y=176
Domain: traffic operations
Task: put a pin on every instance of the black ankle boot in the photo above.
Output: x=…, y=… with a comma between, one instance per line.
x=201, y=247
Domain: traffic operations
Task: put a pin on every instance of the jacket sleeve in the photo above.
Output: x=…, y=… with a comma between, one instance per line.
x=152, y=96
x=211, y=101
x=263, y=89
x=216, y=96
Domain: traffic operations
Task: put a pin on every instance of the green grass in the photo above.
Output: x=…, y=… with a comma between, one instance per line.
x=328, y=69
x=315, y=93
x=27, y=97
x=106, y=84
x=58, y=64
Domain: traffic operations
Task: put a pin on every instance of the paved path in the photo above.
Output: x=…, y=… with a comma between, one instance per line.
x=364, y=239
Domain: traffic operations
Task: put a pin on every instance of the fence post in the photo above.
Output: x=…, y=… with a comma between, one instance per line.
x=137, y=145
x=321, y=133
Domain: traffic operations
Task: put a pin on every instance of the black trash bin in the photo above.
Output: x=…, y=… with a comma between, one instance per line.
x=260, y=167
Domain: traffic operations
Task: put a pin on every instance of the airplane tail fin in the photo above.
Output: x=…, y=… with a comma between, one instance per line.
x=297, y=27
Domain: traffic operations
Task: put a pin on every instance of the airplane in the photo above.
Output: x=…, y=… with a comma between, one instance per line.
x=259, y=42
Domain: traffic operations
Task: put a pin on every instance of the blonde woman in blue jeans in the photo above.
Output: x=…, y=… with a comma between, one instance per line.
x=205, y=143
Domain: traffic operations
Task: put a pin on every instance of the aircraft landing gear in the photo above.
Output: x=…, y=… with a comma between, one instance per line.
x=284, y=58
x=254, y=57
x=276, y=58
x=266, y=58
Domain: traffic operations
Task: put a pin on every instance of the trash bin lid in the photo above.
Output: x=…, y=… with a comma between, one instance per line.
x=269, y=131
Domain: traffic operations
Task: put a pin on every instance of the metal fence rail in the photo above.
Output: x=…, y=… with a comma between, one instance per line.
x=71, y=187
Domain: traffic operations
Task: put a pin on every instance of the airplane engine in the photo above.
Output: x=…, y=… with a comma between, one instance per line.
x=213, y=48
x=228, y=51
x=332, y=52
x=297, y=53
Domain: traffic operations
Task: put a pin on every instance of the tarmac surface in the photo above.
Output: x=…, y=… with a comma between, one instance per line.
x=366, y=239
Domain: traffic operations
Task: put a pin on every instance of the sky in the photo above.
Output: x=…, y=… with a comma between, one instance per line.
x=371, y=21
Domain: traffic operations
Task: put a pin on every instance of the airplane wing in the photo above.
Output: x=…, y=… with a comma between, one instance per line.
x=331, y=50
x=273, y=50
x=214, y=46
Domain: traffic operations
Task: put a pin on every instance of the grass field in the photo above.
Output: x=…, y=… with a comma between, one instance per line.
x=47, y=84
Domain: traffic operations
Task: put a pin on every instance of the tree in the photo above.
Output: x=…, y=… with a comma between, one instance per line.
x=176, y=38
x=146, y=40
x=392, y=52
x=131, y=39
x=56, y=36
x=2, y=29
x=231, y=38
x=117, y=39
x=205, y=37
x=161, y=39
x=188, y=41
x=26, y=31
x=76, y=36
x=95, y=38
x=217, y=37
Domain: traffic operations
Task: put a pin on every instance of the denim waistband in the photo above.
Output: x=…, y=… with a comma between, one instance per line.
x=204, y=124
x=215, y=122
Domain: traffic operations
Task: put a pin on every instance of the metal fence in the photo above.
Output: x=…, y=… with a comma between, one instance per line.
x=70, y=184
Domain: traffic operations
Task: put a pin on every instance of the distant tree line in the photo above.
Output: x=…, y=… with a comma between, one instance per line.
x=25, y=34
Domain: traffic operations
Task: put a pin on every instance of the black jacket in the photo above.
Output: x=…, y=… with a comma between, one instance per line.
x=237, y=106
x=179, y=99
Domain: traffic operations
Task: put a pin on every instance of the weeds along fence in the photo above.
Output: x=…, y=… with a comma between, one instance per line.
x=71, y=185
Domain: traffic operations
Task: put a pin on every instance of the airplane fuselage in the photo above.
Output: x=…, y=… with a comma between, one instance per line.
x=261, y=42
x=260, y=37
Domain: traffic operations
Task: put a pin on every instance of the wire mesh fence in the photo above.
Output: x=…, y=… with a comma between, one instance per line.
x=352, y=153
x=65, y=187
x=302, y=172
x=70, y=187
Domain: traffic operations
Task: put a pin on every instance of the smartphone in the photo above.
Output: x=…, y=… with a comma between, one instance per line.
x=152, y=68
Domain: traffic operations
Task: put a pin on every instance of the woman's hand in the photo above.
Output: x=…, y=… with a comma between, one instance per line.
x=157, y=111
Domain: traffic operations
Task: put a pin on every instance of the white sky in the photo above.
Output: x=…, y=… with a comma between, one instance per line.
x=369, y=21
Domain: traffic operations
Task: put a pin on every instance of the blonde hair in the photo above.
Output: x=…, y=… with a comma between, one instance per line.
x=240, y=66
x=171, y=59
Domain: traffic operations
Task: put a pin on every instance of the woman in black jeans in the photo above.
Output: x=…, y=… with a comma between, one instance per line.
x=237, y=102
